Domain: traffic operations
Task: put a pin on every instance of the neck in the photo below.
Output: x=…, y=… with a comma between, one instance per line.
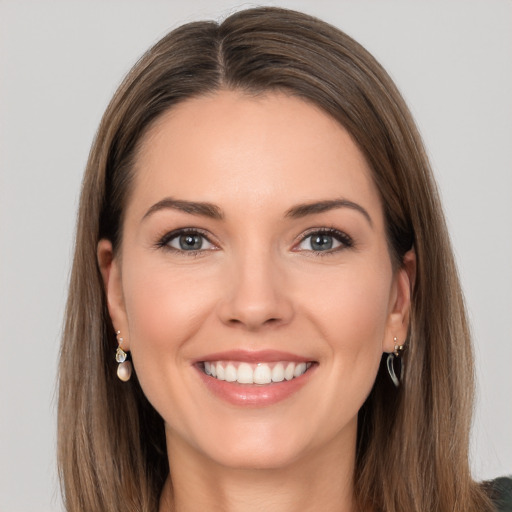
x=320, y=480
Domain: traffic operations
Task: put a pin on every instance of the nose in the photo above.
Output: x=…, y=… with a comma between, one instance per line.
x=256, y=294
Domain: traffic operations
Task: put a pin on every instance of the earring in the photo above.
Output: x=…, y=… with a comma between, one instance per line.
x=124, y=368
x=396, y=355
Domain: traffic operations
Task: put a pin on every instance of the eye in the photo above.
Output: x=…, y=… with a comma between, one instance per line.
x=186, y=241
x=328, y=240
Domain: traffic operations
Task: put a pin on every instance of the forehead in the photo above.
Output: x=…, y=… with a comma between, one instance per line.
x=269, y=149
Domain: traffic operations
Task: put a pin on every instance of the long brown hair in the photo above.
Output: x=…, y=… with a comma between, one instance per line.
x=412, y=448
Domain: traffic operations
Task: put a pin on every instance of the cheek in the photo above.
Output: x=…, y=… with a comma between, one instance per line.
x=164, y=305
x=351, y=306
x=166, y=308
x=351, y=311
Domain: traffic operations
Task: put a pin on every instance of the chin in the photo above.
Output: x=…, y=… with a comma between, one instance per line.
x=260, y=446
x=257, y=457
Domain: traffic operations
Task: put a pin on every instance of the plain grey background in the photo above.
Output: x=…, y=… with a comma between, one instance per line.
x=60, y=62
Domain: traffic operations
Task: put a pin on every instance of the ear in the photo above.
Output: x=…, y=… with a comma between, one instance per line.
x=400, y=303
x=111, y=273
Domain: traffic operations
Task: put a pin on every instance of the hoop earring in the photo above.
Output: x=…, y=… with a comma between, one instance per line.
x=396, y=355
x=124, y=368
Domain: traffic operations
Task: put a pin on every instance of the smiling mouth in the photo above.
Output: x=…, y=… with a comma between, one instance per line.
x=255, y=373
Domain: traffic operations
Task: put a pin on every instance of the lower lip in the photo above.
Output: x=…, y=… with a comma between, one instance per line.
x=255, y=395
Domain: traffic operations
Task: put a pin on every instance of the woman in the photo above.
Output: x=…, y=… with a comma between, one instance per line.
x=259, y=232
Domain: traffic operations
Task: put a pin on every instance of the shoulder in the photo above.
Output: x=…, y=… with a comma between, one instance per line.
x=500, y=492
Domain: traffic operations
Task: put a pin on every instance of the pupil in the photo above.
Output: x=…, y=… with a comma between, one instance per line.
x=190, y=242
x=321, y=242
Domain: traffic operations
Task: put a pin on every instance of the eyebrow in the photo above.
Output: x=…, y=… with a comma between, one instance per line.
x=302, y=210
x=214, y=212
x=195, y=208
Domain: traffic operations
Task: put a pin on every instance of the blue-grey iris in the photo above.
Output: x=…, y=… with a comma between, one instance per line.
x=191, y=242
x=321, y=242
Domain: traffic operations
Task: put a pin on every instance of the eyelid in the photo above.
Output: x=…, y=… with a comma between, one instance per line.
x=343, y=238
x=163, y=241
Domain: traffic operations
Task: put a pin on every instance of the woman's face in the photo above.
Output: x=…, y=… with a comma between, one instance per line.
x=254, y=249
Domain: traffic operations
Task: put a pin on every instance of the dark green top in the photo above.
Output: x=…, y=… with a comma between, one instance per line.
x=500, y=491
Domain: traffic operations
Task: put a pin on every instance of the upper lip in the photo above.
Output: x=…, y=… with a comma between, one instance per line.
x=256, y=356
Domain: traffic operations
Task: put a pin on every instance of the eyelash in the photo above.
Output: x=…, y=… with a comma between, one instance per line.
x=345, y=241
x=164, y=241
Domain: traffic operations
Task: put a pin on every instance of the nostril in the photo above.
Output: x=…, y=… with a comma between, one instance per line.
x=253, y=324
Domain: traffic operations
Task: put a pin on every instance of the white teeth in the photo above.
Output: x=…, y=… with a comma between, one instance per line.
x=299, y=370
x=288, y=373
x=278, y=373
x=245, y=374
x=231, y=374
x=255, y=373
x=262, y=374
x=220, y=371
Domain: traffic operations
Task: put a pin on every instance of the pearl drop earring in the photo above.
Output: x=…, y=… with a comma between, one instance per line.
x=124, y=368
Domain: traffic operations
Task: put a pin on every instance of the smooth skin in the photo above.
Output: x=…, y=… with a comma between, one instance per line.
x=256, y=276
